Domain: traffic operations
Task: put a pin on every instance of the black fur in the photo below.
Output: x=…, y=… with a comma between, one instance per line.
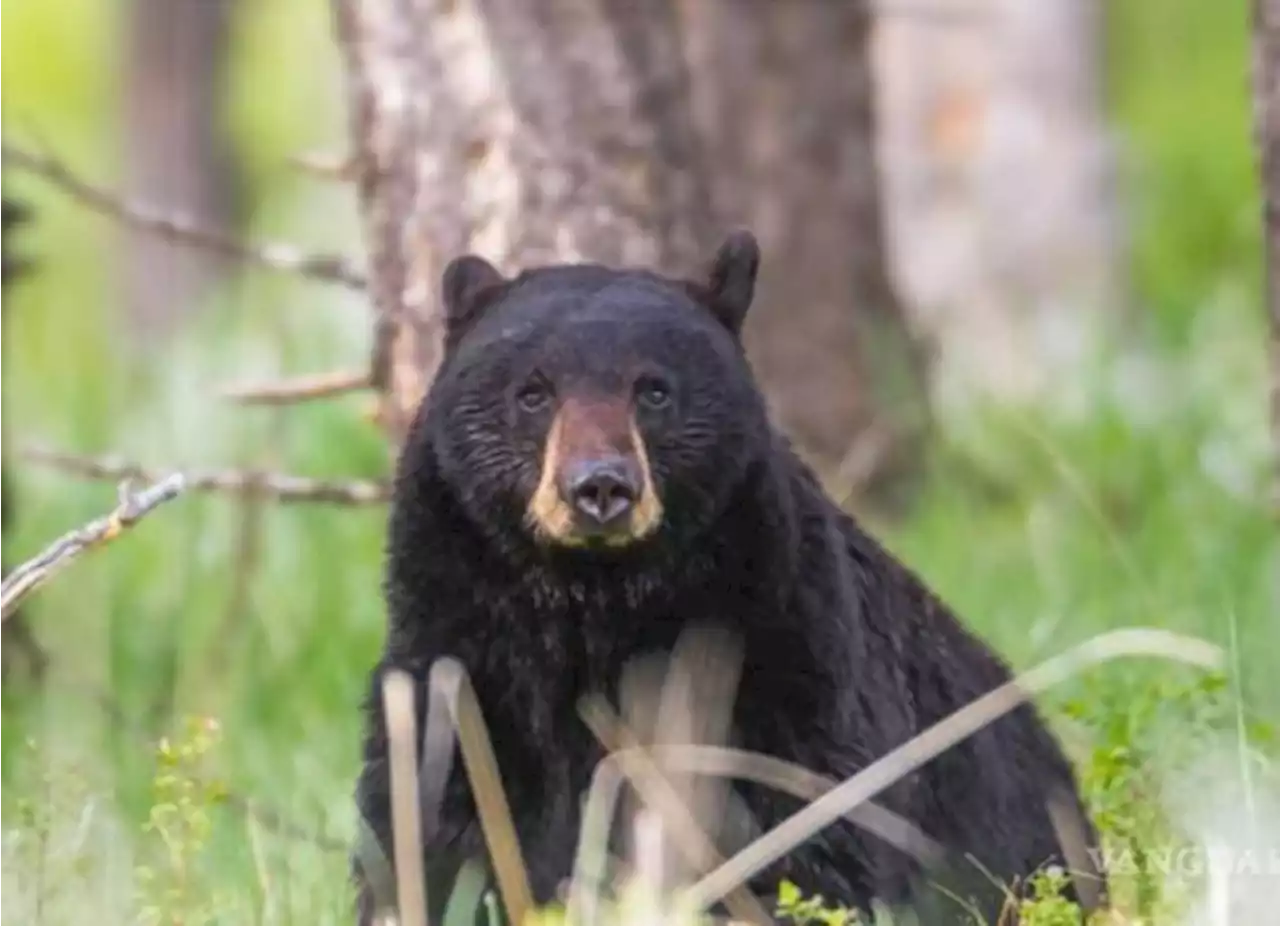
x=846, y=654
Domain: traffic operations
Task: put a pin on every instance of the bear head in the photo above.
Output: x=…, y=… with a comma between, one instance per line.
x=596, y=409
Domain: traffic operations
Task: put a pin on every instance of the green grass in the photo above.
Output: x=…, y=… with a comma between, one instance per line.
x=1178, y=78
x=1137, y=504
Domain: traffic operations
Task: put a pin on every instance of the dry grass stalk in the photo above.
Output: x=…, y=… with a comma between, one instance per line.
x=486, y=786
x=411, y=892
x=642, y=773
x=916, y=752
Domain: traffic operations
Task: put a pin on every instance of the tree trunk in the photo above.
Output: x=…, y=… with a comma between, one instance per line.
x=998, y=191
x=785, y=96
x=519, y=129
x=177, y=155
x=19, y=648
x=565, y=129
x=1266, y=79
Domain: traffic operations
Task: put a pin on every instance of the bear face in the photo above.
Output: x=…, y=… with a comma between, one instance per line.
x=601, y=410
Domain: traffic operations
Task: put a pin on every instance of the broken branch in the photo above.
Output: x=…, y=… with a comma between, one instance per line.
x=25, y=579
x=326, y=166
x=298, y=389
x=279, y=486
x=274, y=256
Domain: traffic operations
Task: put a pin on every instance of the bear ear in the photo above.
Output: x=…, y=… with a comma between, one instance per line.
x=463, y=286
x=732, y=282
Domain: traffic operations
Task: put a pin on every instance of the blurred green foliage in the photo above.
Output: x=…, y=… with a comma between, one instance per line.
x=1142, y=509
x=1179, y=82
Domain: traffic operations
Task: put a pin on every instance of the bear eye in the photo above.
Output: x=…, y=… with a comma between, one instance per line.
x=653, y=393
x=534, y=395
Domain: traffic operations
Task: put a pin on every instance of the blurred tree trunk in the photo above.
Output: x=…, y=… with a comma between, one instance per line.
x=177, y=155
x=1266, y=81
x=520, y=129
x=785, y=97
x=1003, y=222
x=19, y=648
x=534, y=130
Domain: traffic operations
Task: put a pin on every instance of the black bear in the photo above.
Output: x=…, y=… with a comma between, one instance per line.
x=592, y=471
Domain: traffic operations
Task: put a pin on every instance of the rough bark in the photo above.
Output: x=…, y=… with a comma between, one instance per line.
x=998, y=192
x=629, y=131
x=176, y=152
x=1266, y=81
x=519, y=129
x=785, y=96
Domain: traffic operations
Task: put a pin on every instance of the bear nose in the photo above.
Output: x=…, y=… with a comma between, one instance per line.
x=603, y=490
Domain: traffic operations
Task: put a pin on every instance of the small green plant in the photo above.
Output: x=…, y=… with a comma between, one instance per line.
x=178, y=828
x=1046, y=906
x=811, y=910
x=1129, y=726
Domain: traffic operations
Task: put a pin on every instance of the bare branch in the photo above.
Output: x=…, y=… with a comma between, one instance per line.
x=327, y=166
x=23, y=580
x=275, y=256
x=279, y=486
x=867, y=456
x=299, y=389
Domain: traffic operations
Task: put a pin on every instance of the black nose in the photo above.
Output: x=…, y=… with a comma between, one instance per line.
x=603, y=490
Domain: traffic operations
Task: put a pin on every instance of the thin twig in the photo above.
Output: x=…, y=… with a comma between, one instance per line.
x=406, y=822
x=342, y=169
x=276, y=824
x=250, y=539
x=941, y=736
x=274, y=256
x=1069, y=825
x=23, y=580
x=862, y=461
x=298, y=389
x=279, y=486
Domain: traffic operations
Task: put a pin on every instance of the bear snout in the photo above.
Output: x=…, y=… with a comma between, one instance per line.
x=602, y=491
x=595, y=483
